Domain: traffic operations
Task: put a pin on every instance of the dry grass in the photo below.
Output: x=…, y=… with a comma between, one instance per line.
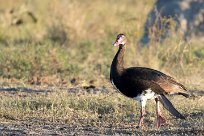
x=90, y=110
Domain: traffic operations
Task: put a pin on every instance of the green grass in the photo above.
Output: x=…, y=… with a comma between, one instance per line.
x=29, y=60
x=77, y=36
x=78, y=43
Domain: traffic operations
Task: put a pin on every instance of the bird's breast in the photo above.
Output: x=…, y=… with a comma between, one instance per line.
x=112, y=82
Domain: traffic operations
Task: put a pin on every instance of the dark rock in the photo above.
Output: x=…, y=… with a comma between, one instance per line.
x=187, y=14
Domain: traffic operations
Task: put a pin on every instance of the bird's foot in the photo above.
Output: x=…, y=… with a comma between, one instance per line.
x=160, y=121
x=138, y=127
x=141, y=122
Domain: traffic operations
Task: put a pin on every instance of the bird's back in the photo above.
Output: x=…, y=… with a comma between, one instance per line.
x=138, y=79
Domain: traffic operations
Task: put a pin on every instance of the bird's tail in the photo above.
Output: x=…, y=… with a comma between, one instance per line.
x=187, y=94
x=169, y=106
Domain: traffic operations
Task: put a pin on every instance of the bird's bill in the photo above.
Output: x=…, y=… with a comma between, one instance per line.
x=116, y=43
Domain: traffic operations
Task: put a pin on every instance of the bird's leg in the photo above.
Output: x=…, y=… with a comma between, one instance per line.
x=142, y=113
x=141, y=120
x=160, y=119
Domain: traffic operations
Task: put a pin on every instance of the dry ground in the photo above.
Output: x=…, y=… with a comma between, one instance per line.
x=104, y=122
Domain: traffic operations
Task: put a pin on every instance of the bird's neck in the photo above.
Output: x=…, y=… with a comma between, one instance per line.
x=117, y=67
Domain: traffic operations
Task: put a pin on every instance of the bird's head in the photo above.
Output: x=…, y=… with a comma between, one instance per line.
x=120, y=40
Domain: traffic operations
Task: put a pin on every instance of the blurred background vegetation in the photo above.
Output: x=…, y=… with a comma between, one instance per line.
x=69, y=42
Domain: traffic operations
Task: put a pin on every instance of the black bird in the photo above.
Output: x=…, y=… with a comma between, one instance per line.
x=141, y=84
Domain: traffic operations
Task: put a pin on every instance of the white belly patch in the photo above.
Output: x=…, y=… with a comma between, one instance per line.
x=145, y=95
